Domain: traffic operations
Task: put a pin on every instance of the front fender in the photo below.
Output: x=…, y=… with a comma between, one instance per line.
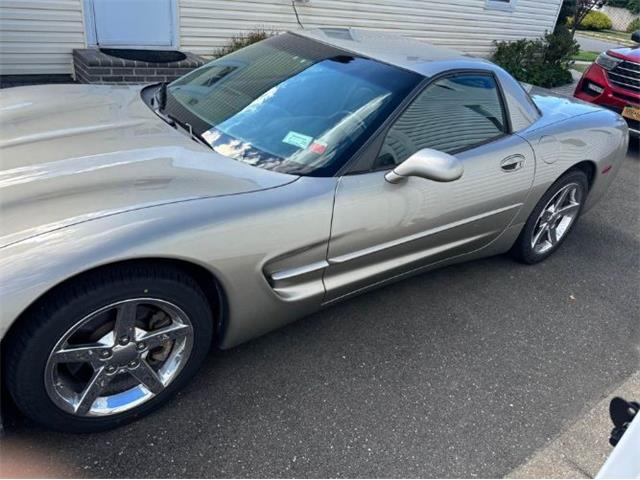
x=236, y=238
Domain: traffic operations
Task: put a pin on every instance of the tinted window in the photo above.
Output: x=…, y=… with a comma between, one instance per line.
x=451, y=115
x=289, y=104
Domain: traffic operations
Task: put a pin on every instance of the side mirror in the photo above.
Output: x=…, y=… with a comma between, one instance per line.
x=635, y=36
x=429, y=164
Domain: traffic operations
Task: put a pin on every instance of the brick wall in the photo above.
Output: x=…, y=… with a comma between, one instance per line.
x=92, y=66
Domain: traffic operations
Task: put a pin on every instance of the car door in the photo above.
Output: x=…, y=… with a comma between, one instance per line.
x=381, y=229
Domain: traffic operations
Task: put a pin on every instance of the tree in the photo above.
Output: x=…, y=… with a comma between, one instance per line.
x=579, y=10
x=632, y=5
x=566, y=12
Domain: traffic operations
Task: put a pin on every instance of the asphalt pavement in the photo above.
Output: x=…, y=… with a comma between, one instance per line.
x=590, y=44
x=468, y=371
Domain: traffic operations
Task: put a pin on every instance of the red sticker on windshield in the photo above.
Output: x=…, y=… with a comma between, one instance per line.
x=318, y=147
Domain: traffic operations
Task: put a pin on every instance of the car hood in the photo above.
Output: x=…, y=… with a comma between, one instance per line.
x=628, y=53
x=71, y=153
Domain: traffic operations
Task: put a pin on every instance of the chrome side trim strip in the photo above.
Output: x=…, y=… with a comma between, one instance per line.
x=425, y=254
x=298, y=271
x=416, y=236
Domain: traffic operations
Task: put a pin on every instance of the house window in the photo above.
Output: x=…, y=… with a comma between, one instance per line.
x=508, y=5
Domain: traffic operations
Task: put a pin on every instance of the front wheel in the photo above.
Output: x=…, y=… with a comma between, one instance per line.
x=108, y=347
x=552, y=219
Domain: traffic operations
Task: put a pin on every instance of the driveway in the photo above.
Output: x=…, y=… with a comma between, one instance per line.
x=463, y=372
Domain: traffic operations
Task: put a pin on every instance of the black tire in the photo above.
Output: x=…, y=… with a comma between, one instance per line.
x=522, y=249
x=28, y=345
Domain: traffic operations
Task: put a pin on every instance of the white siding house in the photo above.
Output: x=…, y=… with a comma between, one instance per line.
x=37, y=36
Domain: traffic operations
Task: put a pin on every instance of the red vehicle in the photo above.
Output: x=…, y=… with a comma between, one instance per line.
x=613, y=81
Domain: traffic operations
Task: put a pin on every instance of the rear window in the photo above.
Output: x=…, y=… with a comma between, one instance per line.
x=289, y=104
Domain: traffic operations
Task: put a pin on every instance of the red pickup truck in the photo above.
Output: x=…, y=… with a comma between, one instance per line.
x=613, y=81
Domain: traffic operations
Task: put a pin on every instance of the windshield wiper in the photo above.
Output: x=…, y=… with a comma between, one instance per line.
x=188, y=128
x=160, y=98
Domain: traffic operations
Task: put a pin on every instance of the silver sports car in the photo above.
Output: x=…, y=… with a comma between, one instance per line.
x=141, y=226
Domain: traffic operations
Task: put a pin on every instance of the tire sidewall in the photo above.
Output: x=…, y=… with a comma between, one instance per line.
x=523, y=248
x=30, y=392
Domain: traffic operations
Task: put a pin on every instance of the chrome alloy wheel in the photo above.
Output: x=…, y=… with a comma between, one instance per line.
x=556, y=218
x=118, y=357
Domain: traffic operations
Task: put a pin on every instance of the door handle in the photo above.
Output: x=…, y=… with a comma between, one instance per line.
x=512, y=163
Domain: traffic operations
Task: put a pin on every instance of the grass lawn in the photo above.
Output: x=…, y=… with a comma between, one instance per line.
x=623, y=38
x=581, y=67
x=587, y=56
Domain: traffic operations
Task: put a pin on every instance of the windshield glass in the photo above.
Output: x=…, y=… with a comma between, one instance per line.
x=289, y=104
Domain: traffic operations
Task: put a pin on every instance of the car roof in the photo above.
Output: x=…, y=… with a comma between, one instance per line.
x=427, y=60
x=421, y=57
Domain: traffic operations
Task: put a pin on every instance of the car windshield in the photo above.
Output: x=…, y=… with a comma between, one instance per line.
x=289, y=103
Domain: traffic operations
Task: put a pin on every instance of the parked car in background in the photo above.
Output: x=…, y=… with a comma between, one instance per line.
x=141, y=225
x=613, y=81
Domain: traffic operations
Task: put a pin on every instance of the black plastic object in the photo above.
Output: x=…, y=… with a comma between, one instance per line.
x=150, y=56
x=622, y=414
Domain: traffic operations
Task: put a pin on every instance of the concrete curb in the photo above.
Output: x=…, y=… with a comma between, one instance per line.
x=581, y=450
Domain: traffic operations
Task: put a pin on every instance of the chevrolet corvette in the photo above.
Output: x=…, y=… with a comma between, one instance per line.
x=140, y=226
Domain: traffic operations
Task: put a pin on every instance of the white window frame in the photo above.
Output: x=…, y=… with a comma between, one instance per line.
x=509, y=6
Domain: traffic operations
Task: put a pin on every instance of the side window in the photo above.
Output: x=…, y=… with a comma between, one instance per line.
x=450, y=115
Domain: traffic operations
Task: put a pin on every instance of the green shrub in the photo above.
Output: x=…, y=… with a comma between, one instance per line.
x=595, y=21
x=633, y=26
x=544, y=62
x=242, y=40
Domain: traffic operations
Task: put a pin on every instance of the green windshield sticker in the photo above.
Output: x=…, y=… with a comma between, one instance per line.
x=297, y=139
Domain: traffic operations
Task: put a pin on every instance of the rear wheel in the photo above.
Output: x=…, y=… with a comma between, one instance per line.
x=553, y=218
x=108, y=347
